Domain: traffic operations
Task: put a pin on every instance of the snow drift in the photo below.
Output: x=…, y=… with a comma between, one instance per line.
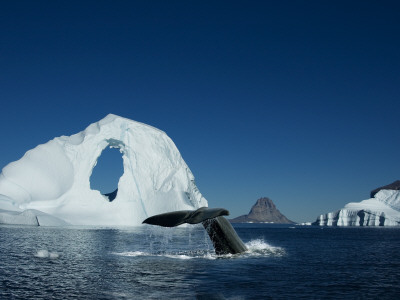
x=381, y=210
x=52, y=180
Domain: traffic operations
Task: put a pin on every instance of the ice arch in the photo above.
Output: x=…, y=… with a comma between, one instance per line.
x=54, y=177
x=107, y=172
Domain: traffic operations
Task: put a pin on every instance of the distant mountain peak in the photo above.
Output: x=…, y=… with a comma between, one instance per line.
x=263, y=211
x=264, y=201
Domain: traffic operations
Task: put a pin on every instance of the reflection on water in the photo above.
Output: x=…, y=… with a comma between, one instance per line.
x=156, y=263
x=82, y=262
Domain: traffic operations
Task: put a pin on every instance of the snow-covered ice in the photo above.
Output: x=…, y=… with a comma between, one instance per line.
x=381, y=210
x=50, y=184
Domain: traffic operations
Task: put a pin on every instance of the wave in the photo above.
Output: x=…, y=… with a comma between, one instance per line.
x=205, y=254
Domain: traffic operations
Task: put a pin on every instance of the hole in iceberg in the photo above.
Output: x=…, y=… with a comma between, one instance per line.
x=107, y=172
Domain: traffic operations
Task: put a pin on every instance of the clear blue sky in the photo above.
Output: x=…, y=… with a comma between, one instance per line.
x=294, y=100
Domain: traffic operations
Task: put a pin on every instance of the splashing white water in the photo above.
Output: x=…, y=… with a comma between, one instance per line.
x=261, y=248
x=256, y=248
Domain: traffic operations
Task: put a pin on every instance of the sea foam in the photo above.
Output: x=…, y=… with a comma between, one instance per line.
x=259, y=247
x=256, y=248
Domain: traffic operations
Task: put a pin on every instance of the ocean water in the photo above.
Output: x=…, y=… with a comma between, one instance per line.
x=150, y=262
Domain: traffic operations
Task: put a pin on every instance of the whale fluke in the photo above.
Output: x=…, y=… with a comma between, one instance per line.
x=220, y=230
x=176, y=218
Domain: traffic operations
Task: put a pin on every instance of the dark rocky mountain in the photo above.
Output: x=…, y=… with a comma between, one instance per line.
x=393, y=186
x=263, y=211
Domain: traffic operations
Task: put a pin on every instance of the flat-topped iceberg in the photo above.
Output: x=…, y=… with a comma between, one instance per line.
x=52, y=181
x=381, y=210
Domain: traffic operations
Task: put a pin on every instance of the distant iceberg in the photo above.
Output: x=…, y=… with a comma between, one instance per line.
x=381, y=210
x=50, y=184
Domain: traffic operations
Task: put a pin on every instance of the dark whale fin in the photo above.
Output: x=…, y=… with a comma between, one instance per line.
x=179, y=217
x=220, y=230
x=170, y=219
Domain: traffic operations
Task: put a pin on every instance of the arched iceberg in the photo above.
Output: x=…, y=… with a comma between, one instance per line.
x=53, y=178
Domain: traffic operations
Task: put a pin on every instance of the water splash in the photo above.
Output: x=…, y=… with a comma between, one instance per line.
x=190, y=242
x=256, y=248
x=260, y=248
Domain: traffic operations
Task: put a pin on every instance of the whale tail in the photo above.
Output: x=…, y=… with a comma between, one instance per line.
x=220, y=230
x=176, y=218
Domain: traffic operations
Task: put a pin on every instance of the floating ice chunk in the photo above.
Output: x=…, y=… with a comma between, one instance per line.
x=382, y=210
x=29, y=217
x=47, y=254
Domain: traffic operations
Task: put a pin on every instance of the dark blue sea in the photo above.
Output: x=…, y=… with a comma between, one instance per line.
x=283, y=262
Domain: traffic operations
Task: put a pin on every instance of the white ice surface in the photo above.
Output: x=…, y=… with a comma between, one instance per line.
x=54, y=177
x=31, y=217
x=371, y=212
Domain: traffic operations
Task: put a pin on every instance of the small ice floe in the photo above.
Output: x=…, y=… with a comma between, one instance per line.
x=47, y=254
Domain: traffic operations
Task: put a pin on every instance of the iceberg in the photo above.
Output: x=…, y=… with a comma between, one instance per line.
x=50, y=184
x=381, y=210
